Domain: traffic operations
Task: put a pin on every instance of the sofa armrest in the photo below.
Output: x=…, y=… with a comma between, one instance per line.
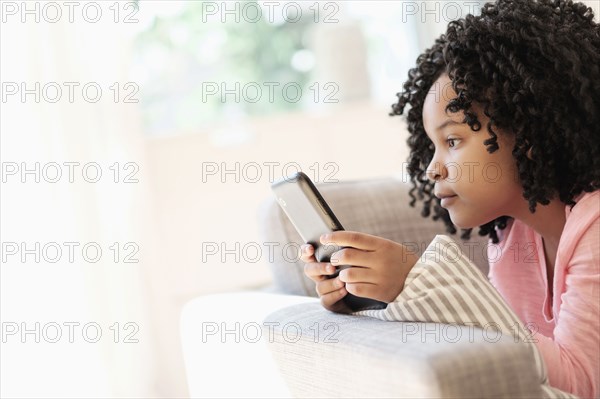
x=379, y=207
x=324, y=354
x=224, y=353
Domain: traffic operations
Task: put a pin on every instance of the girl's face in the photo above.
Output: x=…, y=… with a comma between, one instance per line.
x=485, y=186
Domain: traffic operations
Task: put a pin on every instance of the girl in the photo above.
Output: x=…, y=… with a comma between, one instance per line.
x=504, y=125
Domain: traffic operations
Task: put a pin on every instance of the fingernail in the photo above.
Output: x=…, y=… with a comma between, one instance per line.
x=330, y=269
x=324, y=238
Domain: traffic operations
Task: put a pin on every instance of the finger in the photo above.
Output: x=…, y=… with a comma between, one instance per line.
x=365, y=290
x=328, y=285
x=331, y=298
x=355, y=275
x=351, y=256
x=353, y=239
x=307, y=253
x=318, y=270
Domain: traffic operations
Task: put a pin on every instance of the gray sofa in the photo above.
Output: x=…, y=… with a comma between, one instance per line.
x=317, y=353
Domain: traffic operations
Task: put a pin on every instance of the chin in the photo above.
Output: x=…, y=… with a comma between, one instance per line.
x=462, y=223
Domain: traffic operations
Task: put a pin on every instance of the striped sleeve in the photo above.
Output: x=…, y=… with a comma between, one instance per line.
x=444, y=286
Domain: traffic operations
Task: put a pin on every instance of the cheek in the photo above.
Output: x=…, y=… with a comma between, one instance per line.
x=503, y=175
x=485, y=171
x=493, y=173
x=455, y=172
x=470, y=176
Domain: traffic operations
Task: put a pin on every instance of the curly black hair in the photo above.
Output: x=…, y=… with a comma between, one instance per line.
x=534, y=66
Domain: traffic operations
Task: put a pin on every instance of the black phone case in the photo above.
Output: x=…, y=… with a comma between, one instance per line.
x=312, y=217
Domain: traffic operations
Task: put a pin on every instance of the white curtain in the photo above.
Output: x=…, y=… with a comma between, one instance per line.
x=55, y=135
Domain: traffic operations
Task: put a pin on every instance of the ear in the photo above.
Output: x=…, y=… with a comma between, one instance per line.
x=529, y=153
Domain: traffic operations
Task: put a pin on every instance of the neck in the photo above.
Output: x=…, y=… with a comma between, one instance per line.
x=548, y=220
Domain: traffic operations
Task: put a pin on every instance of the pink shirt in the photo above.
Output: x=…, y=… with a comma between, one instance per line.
x=565, y=324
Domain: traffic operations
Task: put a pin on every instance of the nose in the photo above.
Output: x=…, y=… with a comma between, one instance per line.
x=436, y=171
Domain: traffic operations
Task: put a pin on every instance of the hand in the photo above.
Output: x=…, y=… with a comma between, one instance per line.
x=330, y=290
x=380, y=266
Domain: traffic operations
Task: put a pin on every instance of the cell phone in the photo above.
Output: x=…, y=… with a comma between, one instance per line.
x=312, y=217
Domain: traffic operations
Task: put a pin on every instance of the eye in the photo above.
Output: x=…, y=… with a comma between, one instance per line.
x=451, y=140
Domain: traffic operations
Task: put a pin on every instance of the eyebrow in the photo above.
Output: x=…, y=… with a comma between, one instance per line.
x=448, y=122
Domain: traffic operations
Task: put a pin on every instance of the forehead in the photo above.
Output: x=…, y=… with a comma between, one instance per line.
x=434, y=107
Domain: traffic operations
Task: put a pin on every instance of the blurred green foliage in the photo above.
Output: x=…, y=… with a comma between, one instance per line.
x=193, y=48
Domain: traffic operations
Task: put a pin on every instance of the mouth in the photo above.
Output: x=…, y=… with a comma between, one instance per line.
x=447, y=200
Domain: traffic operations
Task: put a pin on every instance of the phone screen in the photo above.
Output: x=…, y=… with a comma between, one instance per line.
x=308, y=212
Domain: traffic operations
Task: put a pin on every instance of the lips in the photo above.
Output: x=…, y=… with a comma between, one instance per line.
x=447, y=201
x=446, y=198
x=444, y=195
